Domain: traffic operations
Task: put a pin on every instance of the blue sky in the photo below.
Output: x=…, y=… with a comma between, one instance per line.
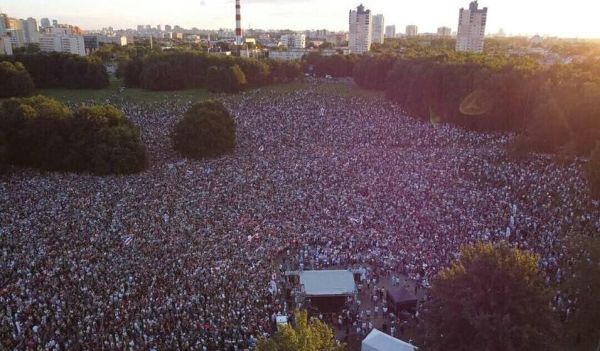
x=575, y=18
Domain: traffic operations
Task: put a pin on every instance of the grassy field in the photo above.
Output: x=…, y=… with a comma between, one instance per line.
x=78, y=96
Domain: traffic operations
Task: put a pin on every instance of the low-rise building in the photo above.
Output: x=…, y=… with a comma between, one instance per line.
x=293, y=41
x=63, y=42
x=412, y=30
x=444, y=31
x=288, y=55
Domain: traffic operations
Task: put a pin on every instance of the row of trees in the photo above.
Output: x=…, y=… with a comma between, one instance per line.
x=42, y=133
x=554, y=109
x=16, y=81
x=188, y=70
x=549, y=106
x=336, y=65
x=60, y=70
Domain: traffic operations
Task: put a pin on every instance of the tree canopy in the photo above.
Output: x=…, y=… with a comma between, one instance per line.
x=59, y=70
x=179, y=70
x=42, y=133
x=16, y=81
x=206, y=130
x=305, y=335
x=491, y=298
x=582, y=286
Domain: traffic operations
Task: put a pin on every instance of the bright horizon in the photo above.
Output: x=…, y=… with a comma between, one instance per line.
x=573, y=19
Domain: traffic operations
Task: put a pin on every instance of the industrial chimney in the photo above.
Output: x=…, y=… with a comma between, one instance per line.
x=238, y=23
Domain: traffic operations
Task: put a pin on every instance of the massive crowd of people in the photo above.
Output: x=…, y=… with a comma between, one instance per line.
x=182, y=255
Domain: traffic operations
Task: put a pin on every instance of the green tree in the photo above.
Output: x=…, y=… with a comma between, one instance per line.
x=593, y=172
x=16, y=81
x=214, y=79
x=42, y=133
x=583, y=287
x=491, y=298
x=549, y=129
x=235, y=79
x=206, y=130
x=306, y=335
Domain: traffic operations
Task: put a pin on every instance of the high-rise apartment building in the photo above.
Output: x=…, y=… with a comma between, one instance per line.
x=378, y=29
x=63, y=40
x=444, y=31
x=361, y=30
x=15, y=32
x=412, y=30
x=45, y=23
x=390, y=31
x=294, y=41
x=471, y=28
x=5, y=45
x=168, y=28
x=3, y=24
x=30, y=29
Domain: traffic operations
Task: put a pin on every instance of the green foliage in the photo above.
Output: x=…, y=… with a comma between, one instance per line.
x=180, y=70
x=235, y=79
x=371, y=71
x=593, y=172
x=557, y=107
x=306, y=335
x=132, y=71
x=206, y=130
x=16, y=81
x=284, y=71
x=491, y=298
x=335, y=66
x=583, y=288
x=42, y=133
x=58, y=70
x=548, y=130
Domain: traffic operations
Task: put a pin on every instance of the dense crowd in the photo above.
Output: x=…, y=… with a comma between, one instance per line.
x=182, y=255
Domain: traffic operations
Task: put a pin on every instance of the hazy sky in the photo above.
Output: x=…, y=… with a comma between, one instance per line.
x=573, y=18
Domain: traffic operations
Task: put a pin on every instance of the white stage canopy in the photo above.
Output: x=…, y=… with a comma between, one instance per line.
x=328, y=283
x=379, y=341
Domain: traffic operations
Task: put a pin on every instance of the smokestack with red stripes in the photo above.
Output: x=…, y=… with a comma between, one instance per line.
x=238, y=23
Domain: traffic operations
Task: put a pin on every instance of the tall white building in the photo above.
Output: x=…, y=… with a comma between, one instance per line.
x=62, y=41
x=444, y=31
x=412, y=30
x=3, y=24
x=361, y=30
x=471, y=28
x=45, y=23
x=390, y=31
x=30, y=30
x=293, y=41
x=5, y=46
x=378, y=29
x=16, y=33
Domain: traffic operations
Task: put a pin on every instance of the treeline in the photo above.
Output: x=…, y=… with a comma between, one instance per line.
x=59, y=70
x=336, y=66
x=188, y=70
x=42, y=133
x=555, y=109
x=15, y=81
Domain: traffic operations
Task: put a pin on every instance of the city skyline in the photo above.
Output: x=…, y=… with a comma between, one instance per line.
x=513, y=16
